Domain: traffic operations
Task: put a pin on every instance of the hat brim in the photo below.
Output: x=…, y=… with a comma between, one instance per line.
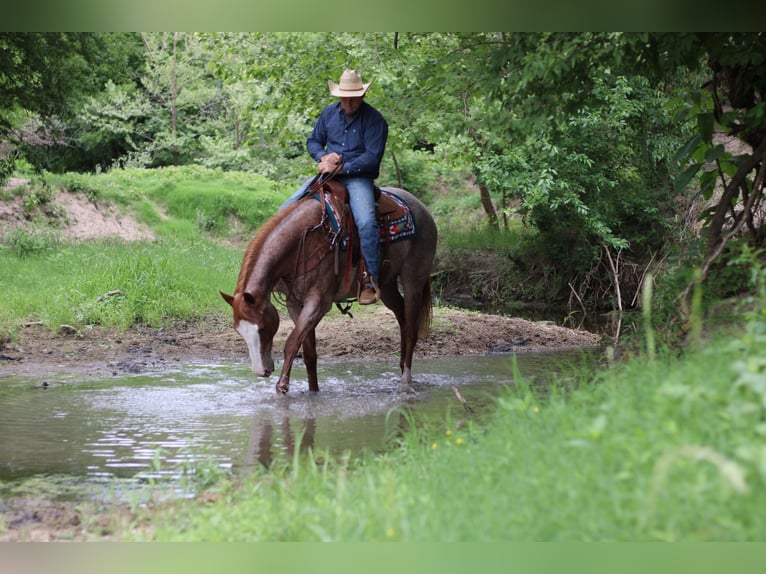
x=336, y=90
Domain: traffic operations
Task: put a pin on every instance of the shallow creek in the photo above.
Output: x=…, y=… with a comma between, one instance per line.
x=73, y=437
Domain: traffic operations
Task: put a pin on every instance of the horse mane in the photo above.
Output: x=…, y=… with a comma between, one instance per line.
x=256, y=244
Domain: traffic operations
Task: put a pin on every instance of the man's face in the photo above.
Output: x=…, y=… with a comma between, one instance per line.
x=351, y=105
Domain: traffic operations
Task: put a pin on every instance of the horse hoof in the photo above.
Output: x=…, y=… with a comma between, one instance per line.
x=405, y=388
x=281, y=390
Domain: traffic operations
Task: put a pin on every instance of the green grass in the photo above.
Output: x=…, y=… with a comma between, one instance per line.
x=663, y=450
x=156, y=281
x=43, y=278
x=192, y=195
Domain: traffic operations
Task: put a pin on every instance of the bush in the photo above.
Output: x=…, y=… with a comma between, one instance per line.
x=25, y=242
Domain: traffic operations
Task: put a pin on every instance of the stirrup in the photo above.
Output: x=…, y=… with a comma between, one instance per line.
x=365, y=283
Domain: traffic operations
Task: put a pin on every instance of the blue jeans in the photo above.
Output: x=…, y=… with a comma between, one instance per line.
x=361, y=197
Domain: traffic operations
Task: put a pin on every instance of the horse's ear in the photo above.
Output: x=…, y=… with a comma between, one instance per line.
x=228, y=298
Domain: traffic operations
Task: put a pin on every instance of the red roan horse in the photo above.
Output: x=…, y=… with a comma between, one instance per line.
x=296, y=254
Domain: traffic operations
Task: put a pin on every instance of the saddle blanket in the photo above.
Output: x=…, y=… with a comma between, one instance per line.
x=394, y=216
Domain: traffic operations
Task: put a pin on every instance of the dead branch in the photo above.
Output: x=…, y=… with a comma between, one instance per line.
x=462, y=400
x=109, y=294
x=615, y=267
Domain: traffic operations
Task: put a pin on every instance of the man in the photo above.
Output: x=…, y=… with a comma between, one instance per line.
x=350, y=138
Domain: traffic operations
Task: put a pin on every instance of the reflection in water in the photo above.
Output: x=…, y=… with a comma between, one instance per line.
x=146, y=429
x=276, y=438
x=262, y=448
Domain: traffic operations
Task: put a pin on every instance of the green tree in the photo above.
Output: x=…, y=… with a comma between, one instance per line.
x=44, y=79
x=728, y=105
x=560, y=129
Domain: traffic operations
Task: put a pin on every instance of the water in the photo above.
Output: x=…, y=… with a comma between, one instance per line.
x=125, y=436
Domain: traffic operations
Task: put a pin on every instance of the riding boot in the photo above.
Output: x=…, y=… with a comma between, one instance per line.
x=369, y=292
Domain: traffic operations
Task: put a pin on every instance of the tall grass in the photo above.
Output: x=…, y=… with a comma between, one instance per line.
x=655, y=450
x=189, y=194
x=114, y=284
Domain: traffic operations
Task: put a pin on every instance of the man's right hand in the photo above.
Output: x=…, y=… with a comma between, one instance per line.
x=329, y=162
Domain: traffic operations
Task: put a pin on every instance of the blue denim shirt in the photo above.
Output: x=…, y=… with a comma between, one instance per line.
x=361, y=142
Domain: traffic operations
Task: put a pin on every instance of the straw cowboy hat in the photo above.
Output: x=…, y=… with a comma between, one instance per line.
x=350, y=85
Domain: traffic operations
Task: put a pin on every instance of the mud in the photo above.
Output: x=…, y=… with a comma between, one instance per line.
x=40, y=350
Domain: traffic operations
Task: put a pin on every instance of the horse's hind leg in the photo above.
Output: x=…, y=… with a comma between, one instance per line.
x=394, y=301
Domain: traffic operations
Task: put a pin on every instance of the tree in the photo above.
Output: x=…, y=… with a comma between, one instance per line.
x=44, y=79
x=726, y=104
x=562, y=130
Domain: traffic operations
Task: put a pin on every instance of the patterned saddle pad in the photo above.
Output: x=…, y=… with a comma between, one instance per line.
x=394, y=216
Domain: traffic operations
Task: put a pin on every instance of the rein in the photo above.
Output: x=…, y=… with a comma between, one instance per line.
x=308, y=262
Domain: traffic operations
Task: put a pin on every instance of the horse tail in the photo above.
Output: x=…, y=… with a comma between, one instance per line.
x=426, y=311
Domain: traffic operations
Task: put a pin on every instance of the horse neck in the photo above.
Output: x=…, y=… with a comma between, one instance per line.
x=273, y=252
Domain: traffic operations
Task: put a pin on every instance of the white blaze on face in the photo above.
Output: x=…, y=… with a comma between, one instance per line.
x=249, y=332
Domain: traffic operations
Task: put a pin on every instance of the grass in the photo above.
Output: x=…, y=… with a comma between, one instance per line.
x=196, y=196
x=663, y=450
x=153, y=282
x=189, y=209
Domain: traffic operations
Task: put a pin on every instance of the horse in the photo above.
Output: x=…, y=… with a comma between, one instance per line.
x=297, y=254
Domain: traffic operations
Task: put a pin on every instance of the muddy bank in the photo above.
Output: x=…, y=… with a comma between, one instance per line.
x=371, y=334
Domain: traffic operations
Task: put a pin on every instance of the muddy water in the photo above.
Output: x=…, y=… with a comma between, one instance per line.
x=128, y=437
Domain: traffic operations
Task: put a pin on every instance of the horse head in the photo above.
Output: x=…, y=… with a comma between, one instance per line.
x=256, y=320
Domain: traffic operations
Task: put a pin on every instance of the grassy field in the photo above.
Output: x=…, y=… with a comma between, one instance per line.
x=200, y=218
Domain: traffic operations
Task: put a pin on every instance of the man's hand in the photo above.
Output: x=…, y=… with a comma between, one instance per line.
x=329, y=162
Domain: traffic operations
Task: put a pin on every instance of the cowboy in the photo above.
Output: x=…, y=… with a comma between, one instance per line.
x=349, y=139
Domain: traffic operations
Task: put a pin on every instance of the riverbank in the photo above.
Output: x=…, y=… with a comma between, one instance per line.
x=371, y=334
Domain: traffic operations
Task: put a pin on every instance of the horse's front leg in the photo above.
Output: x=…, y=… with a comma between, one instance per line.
x=283, y=384
x=303, y=334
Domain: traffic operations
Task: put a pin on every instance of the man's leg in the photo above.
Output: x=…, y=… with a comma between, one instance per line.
x=298, y=194
x=362, y=201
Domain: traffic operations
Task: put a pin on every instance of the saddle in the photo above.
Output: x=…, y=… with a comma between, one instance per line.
x=387, y=209
x=389, y=213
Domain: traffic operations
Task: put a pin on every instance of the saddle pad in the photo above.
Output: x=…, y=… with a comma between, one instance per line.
x=394, y=216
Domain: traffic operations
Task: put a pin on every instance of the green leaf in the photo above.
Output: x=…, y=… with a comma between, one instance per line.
x=714, y=153
x=706, y=123
x=682, y=181
x=707, y=183
x=686, y=151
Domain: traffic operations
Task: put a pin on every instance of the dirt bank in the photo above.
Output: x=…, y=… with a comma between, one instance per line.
x=371, y=334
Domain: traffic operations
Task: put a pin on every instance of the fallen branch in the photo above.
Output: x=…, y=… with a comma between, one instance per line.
x=577, y=296
x=462, y=400
x=109, y=294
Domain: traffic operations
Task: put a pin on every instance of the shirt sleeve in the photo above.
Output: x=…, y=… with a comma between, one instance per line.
x=316, y=142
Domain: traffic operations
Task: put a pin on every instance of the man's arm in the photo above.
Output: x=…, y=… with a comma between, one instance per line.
x=316, y=142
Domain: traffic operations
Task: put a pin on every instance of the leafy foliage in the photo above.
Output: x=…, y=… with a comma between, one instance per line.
x=580, y=135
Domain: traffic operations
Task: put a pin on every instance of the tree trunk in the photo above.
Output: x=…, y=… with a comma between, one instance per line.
x=489, y=207
x=174, y=96
x=398, y=172
x=730, y=193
